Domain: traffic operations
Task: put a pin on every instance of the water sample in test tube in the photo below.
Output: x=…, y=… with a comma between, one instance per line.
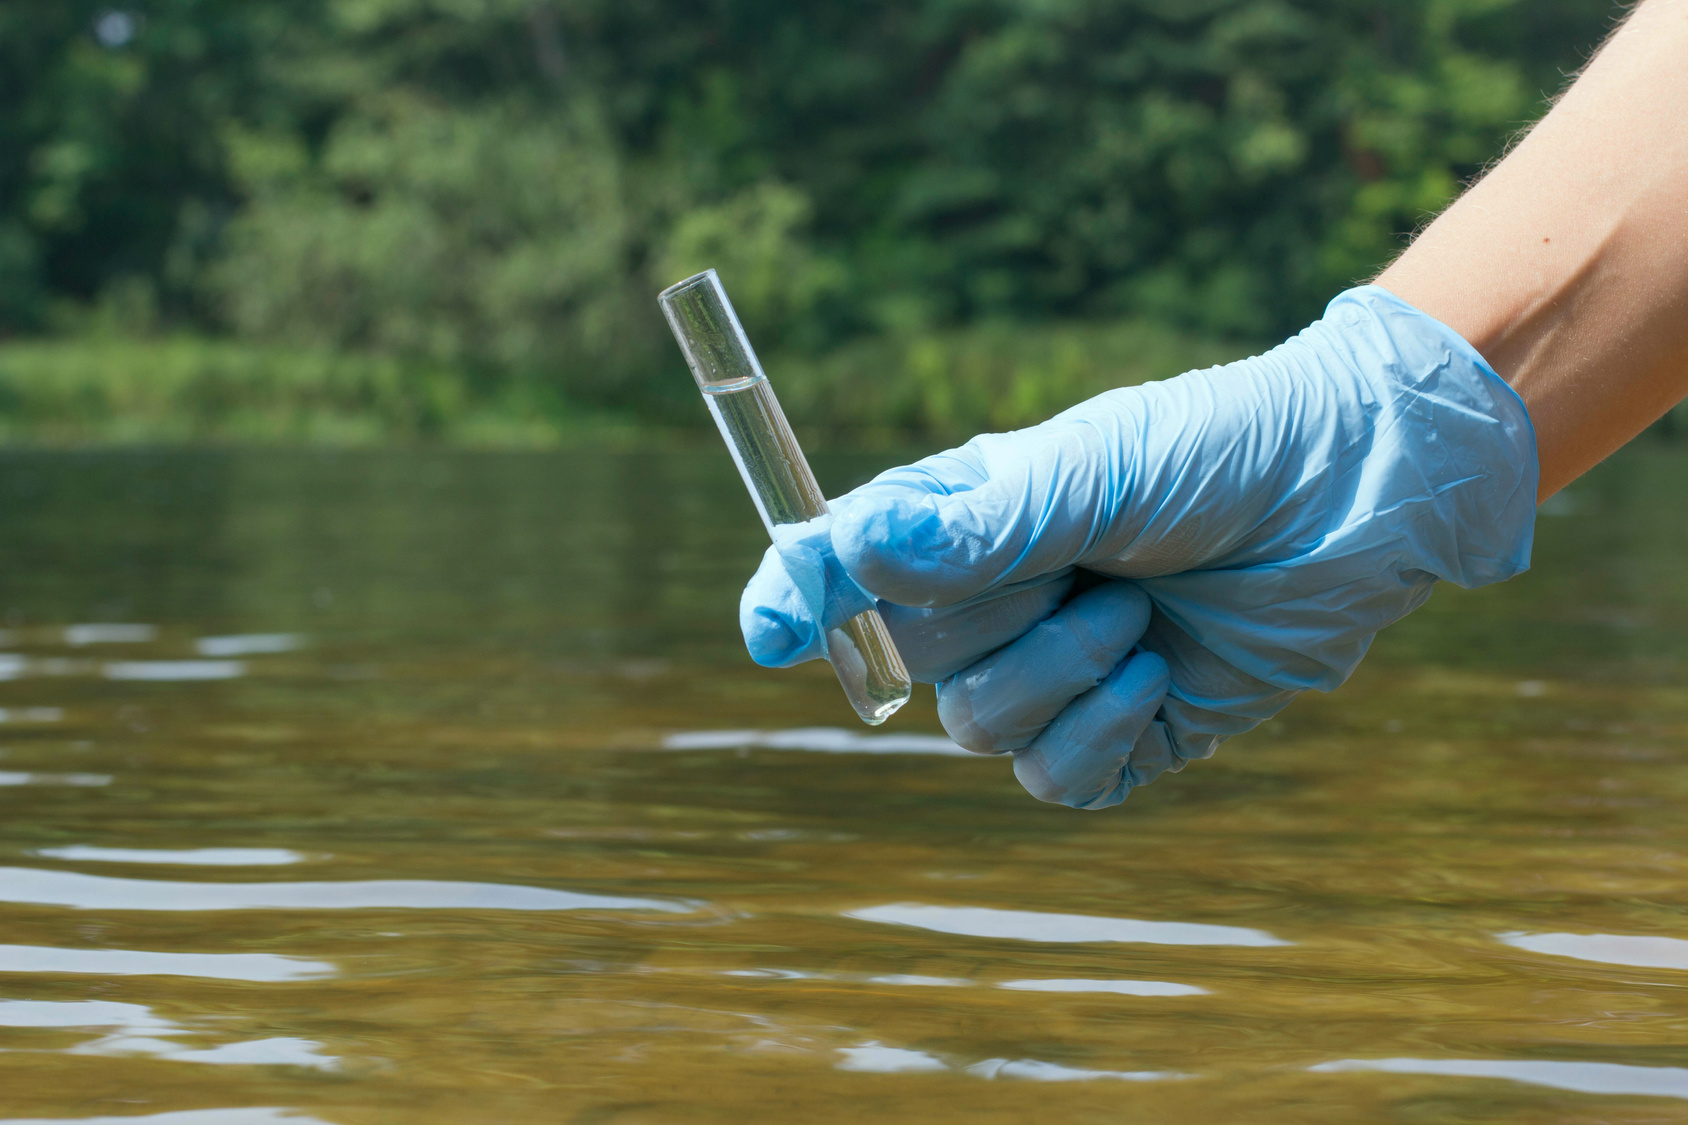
x=777, y=474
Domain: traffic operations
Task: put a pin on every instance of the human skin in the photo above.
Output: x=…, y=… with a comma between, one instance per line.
x=1567, y=265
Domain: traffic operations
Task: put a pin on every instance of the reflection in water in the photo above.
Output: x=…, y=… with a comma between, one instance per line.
x=1583, y=1077
x=248, y=644
x=540, y=622
x=1121, y=987
x=256, y=1115
x=98, y=634
x=1613, y=949
x=84, y=780
x=875, y=1059
x=132, y=1029
x=1038, y=1071
x=97, y=892
x=905, y=979
x=1026, y=925
x=206, y=857
x=823, y=740
x=259, y=967
x=174, y=671
x=30, y=714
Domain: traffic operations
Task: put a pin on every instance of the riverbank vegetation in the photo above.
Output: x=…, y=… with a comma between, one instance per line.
x=360, y=220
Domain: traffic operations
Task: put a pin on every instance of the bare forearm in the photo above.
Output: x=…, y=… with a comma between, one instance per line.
x=1567, y=266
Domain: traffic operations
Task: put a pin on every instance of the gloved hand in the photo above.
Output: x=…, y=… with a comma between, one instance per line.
x=1276, y=512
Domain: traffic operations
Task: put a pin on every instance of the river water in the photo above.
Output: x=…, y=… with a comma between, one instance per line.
x=409, y=787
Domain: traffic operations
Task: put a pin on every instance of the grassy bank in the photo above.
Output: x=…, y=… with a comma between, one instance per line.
x=104, y=389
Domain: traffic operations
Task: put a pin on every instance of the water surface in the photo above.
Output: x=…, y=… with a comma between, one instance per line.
x=366, y=788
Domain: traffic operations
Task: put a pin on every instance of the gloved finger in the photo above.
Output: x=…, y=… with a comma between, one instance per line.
x=774, y=617
x=1006, y=699
x=1210, y=699
x=779, y=629
x=938, y=643
x=1083, y=759
x=1041, y=505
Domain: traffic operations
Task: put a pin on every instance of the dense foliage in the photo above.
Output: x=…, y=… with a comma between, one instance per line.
x=498, y=187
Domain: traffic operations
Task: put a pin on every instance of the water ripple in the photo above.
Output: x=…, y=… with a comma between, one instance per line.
x=204, y=857
x=99, y=892
x=260, y=967
x=872, y=1058
x=109, y=634
x=1582, y=1077
x=1118, y=987
x=1610, y=949
x=248, y=644
x=1026, y=925
x=174, y=671
x=820, y=740
x=250, y=1115
x=1038, y=1071
x=12, y=777
x=133, y=1029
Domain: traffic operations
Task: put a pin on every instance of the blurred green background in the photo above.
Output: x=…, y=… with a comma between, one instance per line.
x=358, y=221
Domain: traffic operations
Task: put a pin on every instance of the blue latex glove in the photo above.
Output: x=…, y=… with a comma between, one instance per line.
x=1277, y=512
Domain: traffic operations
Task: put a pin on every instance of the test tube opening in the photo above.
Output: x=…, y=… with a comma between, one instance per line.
x=709, y=333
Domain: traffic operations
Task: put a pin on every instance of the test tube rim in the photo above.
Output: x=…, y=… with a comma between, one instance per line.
x=681, y=286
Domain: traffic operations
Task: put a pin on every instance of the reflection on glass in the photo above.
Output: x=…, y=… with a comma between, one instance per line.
x=97, y=892
x=1118, y=987
x=1612, y=949
x=206, y=857
x=259, y=967
x=1583, y=1077
x=1026, y=925
x=822, y=740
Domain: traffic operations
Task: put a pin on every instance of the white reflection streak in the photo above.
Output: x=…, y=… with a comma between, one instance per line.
x=1118, y=987
x=104, y=634
x=174, y=671
x=203, y=857
x=821, y=740
x=248, y=644
x=1610, y=949
x=9, y=777
x=99, y=892
x=249, y=1115
x=1025, y=925
x=30, y=714
x=258, y=967
x=133, y=1029
x=1581, y=1077
x=872, y=1058
x=1038, y=1071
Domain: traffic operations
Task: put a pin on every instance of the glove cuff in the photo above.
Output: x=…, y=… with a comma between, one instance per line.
x=1464, y=430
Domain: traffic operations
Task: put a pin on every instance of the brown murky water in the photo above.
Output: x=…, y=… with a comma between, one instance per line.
x=436, y=789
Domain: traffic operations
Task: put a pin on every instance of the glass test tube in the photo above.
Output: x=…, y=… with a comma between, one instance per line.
x=776, y=472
